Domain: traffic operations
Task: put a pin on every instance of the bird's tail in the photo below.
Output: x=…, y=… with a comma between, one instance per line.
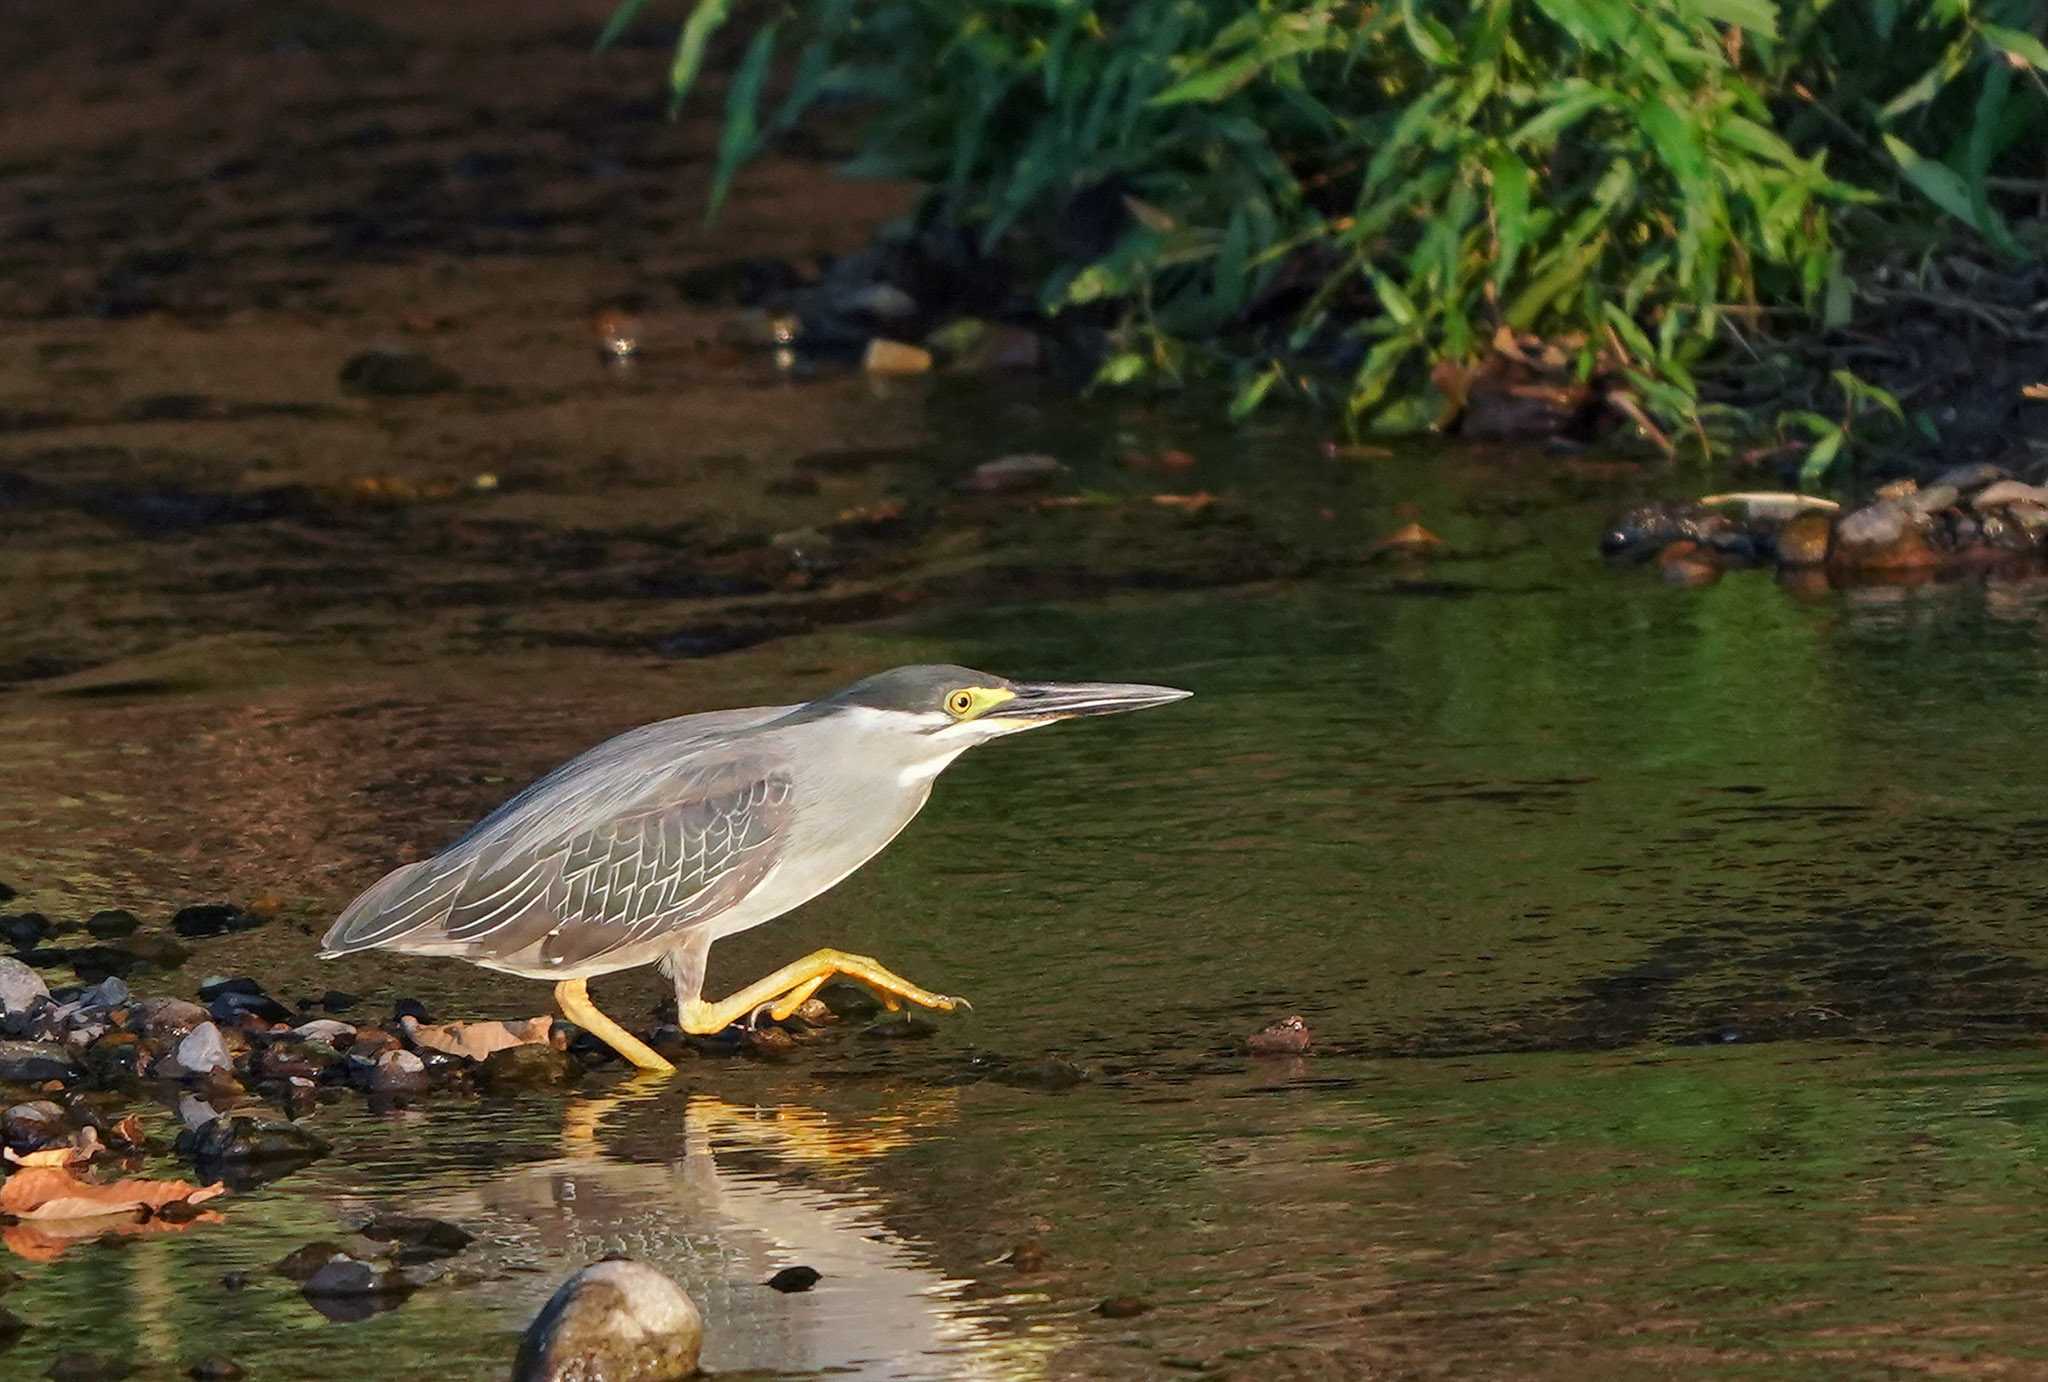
x=393, y=907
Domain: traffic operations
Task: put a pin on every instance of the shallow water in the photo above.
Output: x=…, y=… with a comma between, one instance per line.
x=1671, y=957
x=1671, y=954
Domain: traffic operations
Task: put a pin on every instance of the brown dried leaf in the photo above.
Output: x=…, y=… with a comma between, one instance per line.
x=1186, y=503
x=476, y=1040
x=49, y=1156
x=52, y=1192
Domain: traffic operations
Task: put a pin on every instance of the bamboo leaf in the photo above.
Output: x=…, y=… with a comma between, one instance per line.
x=2023, y=46
x=620, y=20
x=706, y=18
x=741, y=135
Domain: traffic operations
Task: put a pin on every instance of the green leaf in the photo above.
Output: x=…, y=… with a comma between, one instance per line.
x=2025, y=47
x=1822, y=456
x=621, y=19
x=1252, y=392
x=1511, y=179
x=1939, y=183
x=706, y=18
x=1398, y=304
x=1758, y=16
x=1121, y=369
x=741, y=135
x=1213, y=84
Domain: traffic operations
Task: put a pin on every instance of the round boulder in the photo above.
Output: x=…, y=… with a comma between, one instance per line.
x=621, y=1321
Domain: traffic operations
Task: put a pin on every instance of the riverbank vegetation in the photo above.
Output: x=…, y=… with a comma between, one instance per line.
x=1693, y=214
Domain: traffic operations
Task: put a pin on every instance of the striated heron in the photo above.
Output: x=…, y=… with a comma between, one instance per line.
x=656, y=843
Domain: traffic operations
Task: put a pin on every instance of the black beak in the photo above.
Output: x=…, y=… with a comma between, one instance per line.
x=1046, y=701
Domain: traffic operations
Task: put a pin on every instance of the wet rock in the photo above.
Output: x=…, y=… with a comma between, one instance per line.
x=213, y=919
x=200, y=1051
x=24, y=929
x=793, y=1279
x=907, y=1028
x=324, y=1029
x=1027, y=1256
x=1889, y=533
x=519, y=1067
x=1012, y=474
x=34, y=1062
x=408, y=1008
x=86, y=1367
x=771, y=1041
x=95, y=962
x=112, y=925
x=32, y=1126
x=215, y=1370
x=1804, y=540
x=1973, y=476
x=344, y=1276
x=12, y=1326
x=1290, y=1036
x=335, y=1001
x=2008, y=492
x=116, y=1058
x=234, y=1281
x=620, y=1320
x=1122, y=1308
x=1933, y=499
x=421, y=1239
x=159, y=950
x=244, y=1140
x=399, y=1072
x=1409, y=540
x=397, y=374
x=7, y=893
x=166, y=1018
x=1047, y=1072
x=20, y=987
x=234, y=1007
x=1644, y=531
x=884, y=356
x=1688, y=564
x=302, y=1262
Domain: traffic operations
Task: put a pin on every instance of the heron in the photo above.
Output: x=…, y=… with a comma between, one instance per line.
x=659, y=841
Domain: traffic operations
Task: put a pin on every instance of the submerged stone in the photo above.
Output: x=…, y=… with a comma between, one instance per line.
x=213, y=919
x=20, y=987
x=621, y=1320
x=33, y=1062
x=793, y=1279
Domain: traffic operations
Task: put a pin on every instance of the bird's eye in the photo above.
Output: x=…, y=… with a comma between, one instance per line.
x=960, y=702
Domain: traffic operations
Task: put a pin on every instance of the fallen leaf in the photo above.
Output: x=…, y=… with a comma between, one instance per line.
x=1410, y=539
x=476, y=1040
x=49, y=1156
x=1186, y=503
x=1770, y=505
x=45, y=1240
x=52, y=1192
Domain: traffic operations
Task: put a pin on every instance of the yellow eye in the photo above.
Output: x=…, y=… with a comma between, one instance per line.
x=960, y=702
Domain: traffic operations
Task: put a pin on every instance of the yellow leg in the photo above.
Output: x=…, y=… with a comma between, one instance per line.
x=702, y=1019
x=574, y=997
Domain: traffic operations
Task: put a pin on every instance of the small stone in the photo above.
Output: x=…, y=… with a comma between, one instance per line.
x=202, y=1051
x=1027, y=1256
x=528, y=1066
x=11, y=1325
x=397, y=374
x=166, y=1018
x=619, y=1320
x=1803, y=541
x=213, y=919
x=1290, y=1036
x=1122, y=1308
x=112, y=925
x=32, y=1126
x=422, y=1239
x=323, y=1029
x=1890, y=533
x=234, y=1281
x=215, y=1370
x=1409, y=540
x=399, y=1072
x=159, y=950
x=1686, y=563
x=24, y=929
x=245, y=1140
x=335, y=1001
x=2007, y=492
x=894, y=357
x=1974, y=475
x=792, y=1279
x=906, y=1028
x=36, y=1062
x=345, y=1276
x=20, y=987
x=302, y=1262
x=1010, y=474
x=1047, y=1072
x=409, y=1007
x=86, y=1367
x=233, y=1007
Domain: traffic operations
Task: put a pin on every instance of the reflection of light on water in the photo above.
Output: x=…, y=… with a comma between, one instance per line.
x=879, y=1310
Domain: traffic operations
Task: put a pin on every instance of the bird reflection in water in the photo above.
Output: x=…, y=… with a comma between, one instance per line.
x=741, y=1194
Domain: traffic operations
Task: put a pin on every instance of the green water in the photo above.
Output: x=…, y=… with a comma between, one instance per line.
x=1672, y=958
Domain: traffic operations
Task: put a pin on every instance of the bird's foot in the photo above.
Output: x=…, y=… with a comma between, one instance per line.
x=788, y=988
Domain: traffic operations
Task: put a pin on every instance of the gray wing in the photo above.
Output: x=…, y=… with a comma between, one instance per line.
x=594, y=858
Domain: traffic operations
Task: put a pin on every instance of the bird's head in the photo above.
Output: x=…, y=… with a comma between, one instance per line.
x=954, y=708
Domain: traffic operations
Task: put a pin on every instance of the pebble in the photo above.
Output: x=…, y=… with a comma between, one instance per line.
x=1009, y=474
x=11, y=1325
x=1290, y=1036
x=619, y=1320
x=525, y=1066
x=34, y=1062
x=397, y=374
x=1999, y=495
x=793, y=1279
x=203, y=1050
x=421, y=1239
x=894, y=357
x=343, y=1275
x=335, y=1001
x=1803, y=541
x=399, y=1072
x=215, y=1370
x=166, y=1017
x=323, y=1029
x=213, y=919
x=302, y=1262
x=1122, y=1308
x=20, y=987
x=24, y=929
x=112, y=925
x=242, y=1139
